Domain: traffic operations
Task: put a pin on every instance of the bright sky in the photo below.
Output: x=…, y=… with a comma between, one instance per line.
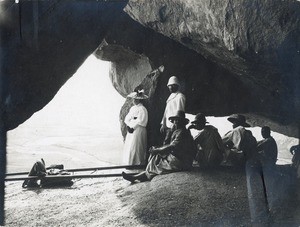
x=78, y=127
x=87, y=100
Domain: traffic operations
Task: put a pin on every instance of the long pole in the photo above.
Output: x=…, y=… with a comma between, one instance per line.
x=65, y=176
x=86, y=169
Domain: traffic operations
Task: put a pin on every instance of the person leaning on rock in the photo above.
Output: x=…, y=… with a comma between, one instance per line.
x=136, y=120
x=240, y=143
x=175, y=102
x=178, y=155
x=208, y=140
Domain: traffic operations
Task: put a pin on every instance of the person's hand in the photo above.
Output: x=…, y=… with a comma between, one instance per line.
x=130, y=130
x=161, y=68
x=294, y=149
x=162, y=129
x=153, y=150
x=229, y=144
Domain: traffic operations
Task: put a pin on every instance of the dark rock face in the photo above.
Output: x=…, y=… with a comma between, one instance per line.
x=231, y=57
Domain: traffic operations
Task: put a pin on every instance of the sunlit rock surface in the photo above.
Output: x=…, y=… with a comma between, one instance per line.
x=252, y=39
x=231, y=57
x=128, y=69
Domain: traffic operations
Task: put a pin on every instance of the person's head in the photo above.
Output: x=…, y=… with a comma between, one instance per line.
x=199, y=122
x=173, y=84
x=137, y=96
x=179, y=120
x=265, y=132
x=238, y=120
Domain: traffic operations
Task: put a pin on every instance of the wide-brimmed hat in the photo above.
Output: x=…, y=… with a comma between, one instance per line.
x=239, y=119
x=180, y=115
x=173, y=80
x=139, y=94
x=199, y=118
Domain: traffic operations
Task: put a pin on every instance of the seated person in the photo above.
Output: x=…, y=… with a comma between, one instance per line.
x=208, y=141
x=267, y=148
x=240, y=143
x=173, y=157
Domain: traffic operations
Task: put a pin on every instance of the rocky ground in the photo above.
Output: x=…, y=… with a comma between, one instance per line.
x=200, y=197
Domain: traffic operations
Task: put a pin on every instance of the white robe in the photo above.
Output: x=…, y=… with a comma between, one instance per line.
x=175, y=102
x=135, y=146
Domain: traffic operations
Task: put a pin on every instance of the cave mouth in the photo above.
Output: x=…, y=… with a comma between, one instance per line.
x=79, y=127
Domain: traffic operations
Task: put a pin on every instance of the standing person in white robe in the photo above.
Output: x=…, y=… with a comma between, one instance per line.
x=135, y=146
x=175, y=102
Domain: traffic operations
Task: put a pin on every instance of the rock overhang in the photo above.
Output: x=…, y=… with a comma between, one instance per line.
x=225, y=68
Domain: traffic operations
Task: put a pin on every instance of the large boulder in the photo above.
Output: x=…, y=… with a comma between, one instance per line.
x=254, y=39
x=257, y=41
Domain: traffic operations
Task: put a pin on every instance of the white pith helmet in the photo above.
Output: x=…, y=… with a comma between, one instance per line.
x=173, y=80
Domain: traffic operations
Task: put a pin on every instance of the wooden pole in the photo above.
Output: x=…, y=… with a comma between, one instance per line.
x=65, y=176
x=86, y=169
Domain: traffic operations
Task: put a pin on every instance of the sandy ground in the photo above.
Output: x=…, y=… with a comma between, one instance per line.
x=197, y=198
x=171, y=200
x=86, y=148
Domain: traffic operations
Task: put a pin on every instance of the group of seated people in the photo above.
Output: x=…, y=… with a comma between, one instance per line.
x=207, y=149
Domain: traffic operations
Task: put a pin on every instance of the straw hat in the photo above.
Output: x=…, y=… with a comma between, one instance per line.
x=180, y=115
x=239, y=119
x=139, y=94
x=173, y=80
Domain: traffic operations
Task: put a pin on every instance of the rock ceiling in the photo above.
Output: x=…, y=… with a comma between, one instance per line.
x=231, y=56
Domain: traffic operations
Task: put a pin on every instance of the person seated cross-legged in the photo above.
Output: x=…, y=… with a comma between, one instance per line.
x=178, y=155
x=209, y=142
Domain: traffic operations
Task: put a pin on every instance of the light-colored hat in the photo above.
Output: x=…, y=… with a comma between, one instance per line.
x=173, y=80
x=139, y=94
x=179, y=115
x=238, y=118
